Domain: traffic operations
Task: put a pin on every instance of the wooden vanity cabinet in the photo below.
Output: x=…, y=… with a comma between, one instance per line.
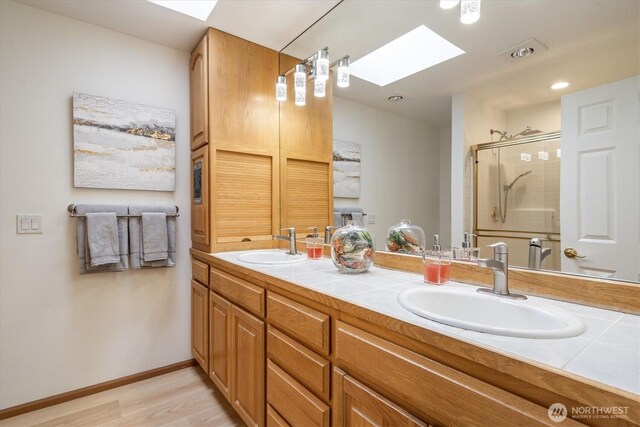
x=200, y=324
x=357, y=405
x=237, y=350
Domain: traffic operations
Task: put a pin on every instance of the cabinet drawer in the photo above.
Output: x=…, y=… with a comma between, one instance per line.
x=427, y=388
x=297, y=405
x=239, y=291
x=301, y=363
x=309, y=326
x=274, y=419
x=200, y=271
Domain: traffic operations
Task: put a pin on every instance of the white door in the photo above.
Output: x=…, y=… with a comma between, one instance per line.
x=600, y=181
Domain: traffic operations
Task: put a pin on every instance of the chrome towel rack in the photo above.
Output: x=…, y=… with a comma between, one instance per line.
x=72, y=212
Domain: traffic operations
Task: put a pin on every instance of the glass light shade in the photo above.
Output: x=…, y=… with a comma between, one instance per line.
x=320, y=88
x=281, y=88
x=300, y=78
x=469, y=11
x=301, y=98
x=322, y=65
x=343, y=73
x=449, y=4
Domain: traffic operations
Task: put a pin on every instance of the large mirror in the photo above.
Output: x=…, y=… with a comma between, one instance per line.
x=481, y=143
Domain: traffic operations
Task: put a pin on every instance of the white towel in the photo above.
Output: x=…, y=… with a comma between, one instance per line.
x=154, y=236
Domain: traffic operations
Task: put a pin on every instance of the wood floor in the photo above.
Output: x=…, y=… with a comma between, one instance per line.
x=182, y=398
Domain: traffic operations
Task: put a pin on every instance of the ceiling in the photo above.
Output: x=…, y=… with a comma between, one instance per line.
x=271, y=23
x=590, y=42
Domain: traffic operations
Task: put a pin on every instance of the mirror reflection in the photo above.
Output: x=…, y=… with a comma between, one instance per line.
x=481, y=143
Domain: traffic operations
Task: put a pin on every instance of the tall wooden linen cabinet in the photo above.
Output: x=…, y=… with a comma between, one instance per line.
x=255, y=166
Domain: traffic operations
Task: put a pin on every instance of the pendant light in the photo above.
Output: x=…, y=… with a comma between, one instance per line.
x=319, y=88
x=281, y=88
x=469, y=11
x=300, y=78
x=322, y=64
x=342, y=78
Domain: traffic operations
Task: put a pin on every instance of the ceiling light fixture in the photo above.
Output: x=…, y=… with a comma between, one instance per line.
x=199, y=9
x=469, y=11
x=522, y=52
x=560, y=85
x=449, y=4
x=395, y=98
x=281, y=88
x=316, y=68
x=410, y=53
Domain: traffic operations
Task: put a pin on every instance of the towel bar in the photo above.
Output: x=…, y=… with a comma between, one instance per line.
x=72, y=212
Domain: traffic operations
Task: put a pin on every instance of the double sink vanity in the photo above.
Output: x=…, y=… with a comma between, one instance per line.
x=292, y=341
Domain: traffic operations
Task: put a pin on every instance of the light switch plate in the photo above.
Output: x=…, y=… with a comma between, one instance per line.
x=372, y=218
x=29, y=224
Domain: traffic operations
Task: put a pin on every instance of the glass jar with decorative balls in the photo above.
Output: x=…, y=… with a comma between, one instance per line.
x=405, y=238
x=352, y=248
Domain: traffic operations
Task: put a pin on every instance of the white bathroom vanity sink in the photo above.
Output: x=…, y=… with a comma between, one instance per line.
x=468, y=309
x=271, y=257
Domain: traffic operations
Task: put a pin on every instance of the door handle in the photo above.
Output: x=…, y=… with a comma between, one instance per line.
x=572, y=253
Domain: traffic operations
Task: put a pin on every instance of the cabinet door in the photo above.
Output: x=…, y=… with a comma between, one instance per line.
x=357, y=405
x=200, y=324
x=247, y=360
x=219, y=342
x=198, y=78
x=200, y=199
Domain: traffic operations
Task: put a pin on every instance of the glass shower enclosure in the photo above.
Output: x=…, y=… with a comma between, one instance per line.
x=517, y=196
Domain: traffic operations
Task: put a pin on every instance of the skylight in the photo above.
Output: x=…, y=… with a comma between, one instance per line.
x=199, y=9
x=415, y=51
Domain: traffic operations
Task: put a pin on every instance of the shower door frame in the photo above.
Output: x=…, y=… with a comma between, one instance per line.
x=499, y=144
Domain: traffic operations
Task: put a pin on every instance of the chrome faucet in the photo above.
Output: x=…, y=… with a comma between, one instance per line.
x=291, y=238
x=500, y=266
x=327, y=234
x=537, y=253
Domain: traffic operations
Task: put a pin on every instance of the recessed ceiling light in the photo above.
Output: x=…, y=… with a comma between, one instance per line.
x=199, y=9
x=559, y=85
x=415, y=51
x=395, y=98
x=522, y=52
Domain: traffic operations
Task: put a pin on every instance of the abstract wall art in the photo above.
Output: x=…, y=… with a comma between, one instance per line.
x=346, y=169
x=123, y=145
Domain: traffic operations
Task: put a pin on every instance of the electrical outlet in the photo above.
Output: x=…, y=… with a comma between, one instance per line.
x=371, y=218
x=29, y=224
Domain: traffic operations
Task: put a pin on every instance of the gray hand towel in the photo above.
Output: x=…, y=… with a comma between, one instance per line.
x=337, y=219
x=154, y=236
x=135, y=235
x=102, y=237
x=348, y=210
x=84, y=258
x=356, y=218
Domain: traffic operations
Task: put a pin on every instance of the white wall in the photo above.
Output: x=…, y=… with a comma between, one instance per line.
x=544, y=117
x=399, y=166
x=60, y=331
x=445, y=187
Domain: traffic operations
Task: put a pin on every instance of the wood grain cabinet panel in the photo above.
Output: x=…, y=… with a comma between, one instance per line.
x=200, y=324
x=220, y=342
x=301, y=363
x=200, y=271
x=244, y=197
x=432, y=391
x=357, y=405
x=307, y=325
x=239, y=291
x=199, y=91
x=247, y=360
x=307, y=199
x=274, y=419
x=297, y=405
x=200, y=232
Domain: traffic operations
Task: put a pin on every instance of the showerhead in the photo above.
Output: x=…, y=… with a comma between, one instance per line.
x=528, y=131
x=508, y=187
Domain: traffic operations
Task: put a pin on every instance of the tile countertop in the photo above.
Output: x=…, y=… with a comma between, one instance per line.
x=608, y=351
